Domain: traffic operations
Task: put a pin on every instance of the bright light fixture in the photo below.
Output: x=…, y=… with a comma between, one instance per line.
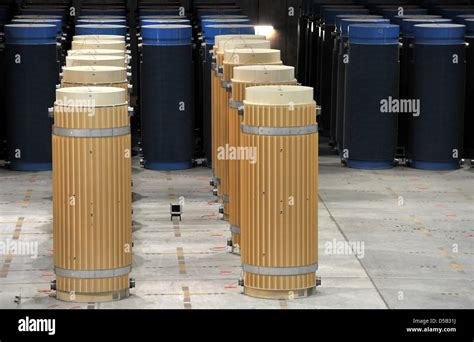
x=264, y=30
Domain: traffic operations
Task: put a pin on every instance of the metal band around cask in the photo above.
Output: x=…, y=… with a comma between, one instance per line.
x=92, y=194
x=279, y=203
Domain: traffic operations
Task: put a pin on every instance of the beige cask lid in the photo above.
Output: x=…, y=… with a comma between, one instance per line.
x=117, y=61
x=94, y=74
x=90, y=96
x=226, y=37
x=264, y=73
x=279, y=95
x=100, y=36
x=252, y=56
x=98, y=44
x=243, y=44
x=109, y=52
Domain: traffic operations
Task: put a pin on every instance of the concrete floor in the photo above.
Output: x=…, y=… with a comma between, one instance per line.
x=417, y=254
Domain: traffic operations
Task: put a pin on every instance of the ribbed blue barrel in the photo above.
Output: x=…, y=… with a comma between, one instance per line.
x=31, y=78
x=372, y=76
x=167, y=113
x=204, y=78
x=91, y=29
x=181, y=21
x=58, y=23
x=323, y=85
x=469, y=112
x=435, y=135
x=407, y=28
x=339, y=70
x=101, y=22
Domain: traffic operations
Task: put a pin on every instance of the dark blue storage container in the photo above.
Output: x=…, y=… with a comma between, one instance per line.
x=436, y=134
x=31, y=78
x=469, y=112
x=372, y=76
x=339, y=71
x=167, y=109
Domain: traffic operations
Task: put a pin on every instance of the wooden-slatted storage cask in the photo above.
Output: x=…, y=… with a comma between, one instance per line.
x=99, y=76
x=244, y=77
x=231, y=42
x=104, y=60
x=92, y=194
x=98, y=44
x=233, y=58
x=205, y=76
x=279, y=237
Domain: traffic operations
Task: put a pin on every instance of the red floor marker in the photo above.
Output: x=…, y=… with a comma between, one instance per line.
x=44, y=291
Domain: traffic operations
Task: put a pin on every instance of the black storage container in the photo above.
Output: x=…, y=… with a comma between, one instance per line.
x=339, y=69
x=31, y=78
x=167, y=108
x=436, y=134
x=469, y=112
x=372, y=83
x=406, y=71
x=324, y=64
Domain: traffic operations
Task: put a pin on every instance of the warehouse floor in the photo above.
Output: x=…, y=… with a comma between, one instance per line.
x=417, y=254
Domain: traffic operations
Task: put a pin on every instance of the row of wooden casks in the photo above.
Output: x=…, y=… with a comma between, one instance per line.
x=265, y=160
x=92, y=195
